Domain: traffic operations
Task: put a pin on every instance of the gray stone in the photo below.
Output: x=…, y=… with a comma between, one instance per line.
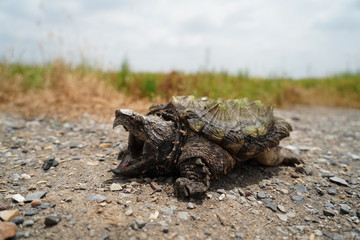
x=52, y=219
x=46, y=205
x=338, y=180
x=281, y=208
x=221, y=191
x=22, y=235
x=314, y=211
x=165, y=229
x=35, y=195
x=96, y=197
x=18, y=220
x=239, y=235
x=300, y=188
x=231, y=196
x=140, y=223
x=319, y=191
x=261, y=195
x=31, y=212
x=190, y=205
x=297, y=198
x=18, y=198
x=28, y=223
x=207, y=232
x=269, y=204
x=183, y=215
x=345, y=209
x=279, y=229
x=332, y=191
x=49, y=162
x=166, y=211
x=282, y=217
x=329, y=205
x=329, y=212
x=318, y=232
x=129, y=212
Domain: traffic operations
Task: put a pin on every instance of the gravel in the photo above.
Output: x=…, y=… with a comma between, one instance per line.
x=319, y=199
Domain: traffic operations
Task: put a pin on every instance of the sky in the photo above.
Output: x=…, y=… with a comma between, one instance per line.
x=297, y=38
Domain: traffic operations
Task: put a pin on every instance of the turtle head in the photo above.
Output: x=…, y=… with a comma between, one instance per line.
x=150, y=142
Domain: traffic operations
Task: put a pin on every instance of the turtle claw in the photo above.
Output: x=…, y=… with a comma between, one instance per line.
x=290, y=157
x=185, y=187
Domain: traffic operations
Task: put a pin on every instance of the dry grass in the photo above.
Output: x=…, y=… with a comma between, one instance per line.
x=67, y=95
x=63, y=92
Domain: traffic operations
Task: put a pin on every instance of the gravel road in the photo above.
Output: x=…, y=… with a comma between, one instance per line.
x=55, y=184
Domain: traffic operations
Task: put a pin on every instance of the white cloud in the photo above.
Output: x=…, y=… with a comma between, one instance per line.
x=297, y=37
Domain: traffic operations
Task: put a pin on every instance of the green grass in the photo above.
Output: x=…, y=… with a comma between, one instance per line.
x=336, y=90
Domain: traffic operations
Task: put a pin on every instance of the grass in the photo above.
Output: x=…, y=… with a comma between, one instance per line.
x=48, y=88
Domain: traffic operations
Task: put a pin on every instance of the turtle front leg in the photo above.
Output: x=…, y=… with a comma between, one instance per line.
x=194, y=180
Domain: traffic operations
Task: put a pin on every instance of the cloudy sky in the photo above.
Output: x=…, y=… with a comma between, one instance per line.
x=296, y=38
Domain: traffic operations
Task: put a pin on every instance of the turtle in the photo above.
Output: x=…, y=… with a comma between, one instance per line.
x=200, y=139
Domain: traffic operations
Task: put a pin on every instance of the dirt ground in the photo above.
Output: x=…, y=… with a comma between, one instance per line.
x=320, y=200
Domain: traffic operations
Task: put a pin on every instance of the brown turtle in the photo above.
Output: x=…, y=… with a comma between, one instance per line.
x=199, y=139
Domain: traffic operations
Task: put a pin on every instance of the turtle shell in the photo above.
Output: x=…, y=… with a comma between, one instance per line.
x=243, y=128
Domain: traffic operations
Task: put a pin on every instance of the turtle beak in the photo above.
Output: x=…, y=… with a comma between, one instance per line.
x=122, y=116
x=133, y=122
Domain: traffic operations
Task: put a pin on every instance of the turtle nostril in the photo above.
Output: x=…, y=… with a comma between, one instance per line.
x=117, y=113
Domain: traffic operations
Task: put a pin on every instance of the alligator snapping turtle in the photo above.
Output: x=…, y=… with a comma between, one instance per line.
x=199, y=139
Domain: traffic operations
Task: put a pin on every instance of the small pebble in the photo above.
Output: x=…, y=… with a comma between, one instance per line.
x=328, y=212
x=49, y=162
x=155, y=186
x=297, y=198
x=248, y=193
x=207, y=232
x=31, y=212
x=222, y=197
x=190, y=205
x=295, y=175
x=319, y=191
x=300, y=188
x=221, y=191
x=129, y=212
x=7, y=215
x=36, y=203
x=282, y=217
x=28, y=223
x=18, y=220
x=96, y=197
x=140, y=223
x=339, y=181
x=269, y=204
x=183, y=215
x=165, y=229
x=52, y=219
x=7, y=230
x=115, y=187
x=281, y=208
x=261, y=195
x=332, y=191
x=18, y=198
x=239, y=235
x=34, y=196
x=345, y=209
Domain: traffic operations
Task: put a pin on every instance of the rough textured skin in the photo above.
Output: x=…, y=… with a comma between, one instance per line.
x=199, y=139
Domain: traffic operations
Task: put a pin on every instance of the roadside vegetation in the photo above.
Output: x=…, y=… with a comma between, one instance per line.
x=59, y=84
